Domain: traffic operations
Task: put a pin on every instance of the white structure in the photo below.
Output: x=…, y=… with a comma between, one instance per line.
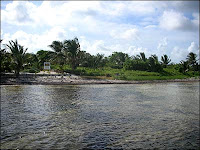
x=46, y=65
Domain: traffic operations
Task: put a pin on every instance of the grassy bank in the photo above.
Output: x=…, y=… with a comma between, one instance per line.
x=171, y=72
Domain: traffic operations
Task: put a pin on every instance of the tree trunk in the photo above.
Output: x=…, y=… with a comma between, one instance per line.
x=17, y=73
x=73, y=64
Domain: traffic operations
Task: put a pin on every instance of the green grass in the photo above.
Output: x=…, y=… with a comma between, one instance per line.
x=171, y=72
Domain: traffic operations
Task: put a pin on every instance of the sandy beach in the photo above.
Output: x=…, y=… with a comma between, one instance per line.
x=53, y=78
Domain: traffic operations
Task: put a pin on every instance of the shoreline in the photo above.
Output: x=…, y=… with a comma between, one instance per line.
x=77, y=80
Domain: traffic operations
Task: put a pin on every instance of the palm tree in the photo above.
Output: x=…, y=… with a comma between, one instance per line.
x=72, y=51
x=154, y=64
x=31, y=59
x=2, y=57
x=18, y=55
x=142, y=57
x=58, y=55
x=2, y=52
x=191, y=58
x=84, y=59
x=117, y=59
x=165, y=60
x=184, y=66
x=44, y=56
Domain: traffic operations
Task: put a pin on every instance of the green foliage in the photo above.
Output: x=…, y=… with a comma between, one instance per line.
x=184, y=66
x=192, y=61
x=5, y=61
x=92, y=61
x=31, y=60
x=73, y=52
x=121, y=74
x=18, y=55
x=128, y=64
x=140, y=57
x=58, y=56
x=31, y=70
x=67, y=57
x=117, y=59
x=43, y=56
x=135, y=65
x=165, y=60
x=154, y=64
x=139, y=62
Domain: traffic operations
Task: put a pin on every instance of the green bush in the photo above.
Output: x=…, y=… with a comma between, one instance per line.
x=76, y=71
x=135, y=65
x=32, y=70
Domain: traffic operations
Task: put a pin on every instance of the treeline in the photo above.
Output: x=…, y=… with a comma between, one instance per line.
x=15, y=58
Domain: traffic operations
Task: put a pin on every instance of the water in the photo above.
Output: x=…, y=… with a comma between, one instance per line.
x=100, y=116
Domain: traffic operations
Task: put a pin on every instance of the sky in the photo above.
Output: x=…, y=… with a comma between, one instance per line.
x=152, y=27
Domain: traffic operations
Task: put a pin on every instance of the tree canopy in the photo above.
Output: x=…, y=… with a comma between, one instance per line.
x=68, y=52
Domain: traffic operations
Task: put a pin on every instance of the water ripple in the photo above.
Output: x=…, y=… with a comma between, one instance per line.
x=149, y=116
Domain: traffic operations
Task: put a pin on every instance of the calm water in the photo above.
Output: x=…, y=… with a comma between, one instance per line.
x=100, y=116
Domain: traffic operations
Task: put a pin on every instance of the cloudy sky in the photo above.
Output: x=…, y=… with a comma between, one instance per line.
x=153, y=27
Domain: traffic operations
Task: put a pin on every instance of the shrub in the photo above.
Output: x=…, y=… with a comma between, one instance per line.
x=135, y=65
x=32, y=70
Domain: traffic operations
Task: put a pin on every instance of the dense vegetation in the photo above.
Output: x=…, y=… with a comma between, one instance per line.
x=67, y=57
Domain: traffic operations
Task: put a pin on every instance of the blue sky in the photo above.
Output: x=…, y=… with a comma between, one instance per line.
x=153, y=27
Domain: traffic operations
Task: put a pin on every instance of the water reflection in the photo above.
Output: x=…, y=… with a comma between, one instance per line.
x=100, y=116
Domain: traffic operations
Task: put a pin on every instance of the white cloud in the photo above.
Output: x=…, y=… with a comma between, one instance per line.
x=172, y=20
x=35, y=42
x=102, y=26
x=133, y=50
x=195, y=21
x=26, y=13
x=162, y=45
x=19, y=13
x=113, y=9
x=129, y=34
x=62, y=13
x=98, y=46
x=73, y=29
x=178, y=54
x=194, y=48
x=142, y=7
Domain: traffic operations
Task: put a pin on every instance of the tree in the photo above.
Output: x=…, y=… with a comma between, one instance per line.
x=184, y=66
x=128, y=64
x=141, y=57
x=73, y=52
x=191, y=58
x=31, y=60
x=117, y=59
x=43, y=56
x=135, y=64
x=2, y=56
x=99, y=61
x=92, y=61
x=85, y=59
x=18, y=55
x=165, y=60
x=154, y=64
x=58, y=56
x=5, y=60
